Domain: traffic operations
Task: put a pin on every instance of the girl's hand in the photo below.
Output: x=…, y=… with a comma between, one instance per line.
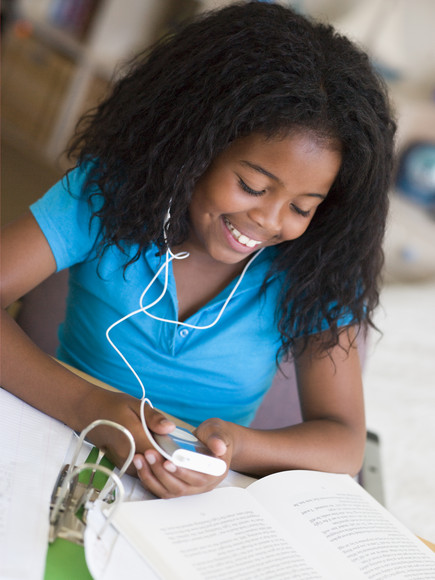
x=167, y=480
x=125, y=410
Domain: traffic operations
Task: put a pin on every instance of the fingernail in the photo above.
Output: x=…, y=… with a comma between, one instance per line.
x=150, y=458
x=170, y=467
x=138, y=463
x=166, y=422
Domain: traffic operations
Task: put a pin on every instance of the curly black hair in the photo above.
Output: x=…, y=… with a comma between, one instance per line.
x=251, y=68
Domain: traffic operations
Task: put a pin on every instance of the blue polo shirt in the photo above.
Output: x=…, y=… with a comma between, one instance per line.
x=223, y=371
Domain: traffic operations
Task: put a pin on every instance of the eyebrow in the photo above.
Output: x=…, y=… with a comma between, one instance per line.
x=260, y=169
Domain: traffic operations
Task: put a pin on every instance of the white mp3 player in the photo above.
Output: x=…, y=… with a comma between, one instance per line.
x=185, y=450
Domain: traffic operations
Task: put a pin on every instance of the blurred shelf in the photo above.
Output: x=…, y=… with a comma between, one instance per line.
x=52, y=72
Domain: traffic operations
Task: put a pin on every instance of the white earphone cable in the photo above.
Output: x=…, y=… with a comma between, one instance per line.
x=169, y=256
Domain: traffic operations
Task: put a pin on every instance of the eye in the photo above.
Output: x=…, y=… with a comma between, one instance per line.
x=300, y=211
x=246, y=188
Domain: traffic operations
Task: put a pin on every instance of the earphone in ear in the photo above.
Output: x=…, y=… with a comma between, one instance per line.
x=166, y=223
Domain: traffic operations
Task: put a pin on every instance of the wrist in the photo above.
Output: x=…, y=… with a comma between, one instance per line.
x=238, y=436
x=87, y=407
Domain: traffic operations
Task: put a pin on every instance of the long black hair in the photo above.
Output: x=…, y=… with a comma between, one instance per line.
x=251, y=68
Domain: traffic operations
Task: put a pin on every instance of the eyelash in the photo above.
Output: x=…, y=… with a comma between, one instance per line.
x=300, y=211
x=295, y=208
x=246, y=188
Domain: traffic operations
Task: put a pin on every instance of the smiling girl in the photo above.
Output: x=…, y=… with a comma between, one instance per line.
x=226, y=210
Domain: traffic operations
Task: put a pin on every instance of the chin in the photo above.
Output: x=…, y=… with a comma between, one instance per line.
x=232, y=257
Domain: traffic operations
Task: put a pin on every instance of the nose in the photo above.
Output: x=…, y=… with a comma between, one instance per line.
x=269, y=216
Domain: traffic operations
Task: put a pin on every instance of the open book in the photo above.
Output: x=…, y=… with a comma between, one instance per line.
x=290, y=525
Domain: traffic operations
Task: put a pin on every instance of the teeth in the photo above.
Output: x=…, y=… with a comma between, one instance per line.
x=241, y=238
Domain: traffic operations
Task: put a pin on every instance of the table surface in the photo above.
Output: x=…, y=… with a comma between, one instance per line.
x=103, y=385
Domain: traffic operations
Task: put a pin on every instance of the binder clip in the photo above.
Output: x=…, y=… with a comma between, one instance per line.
x=73, y=496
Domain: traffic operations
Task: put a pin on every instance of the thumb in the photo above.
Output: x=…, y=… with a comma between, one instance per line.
x=217, y=445
x=215, y=436
x=157, y=422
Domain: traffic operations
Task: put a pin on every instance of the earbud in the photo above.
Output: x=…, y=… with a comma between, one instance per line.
x=166, y=223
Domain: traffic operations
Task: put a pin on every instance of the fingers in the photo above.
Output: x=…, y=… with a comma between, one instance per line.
x=215, y=434
x=166, y=480
x=157, y=422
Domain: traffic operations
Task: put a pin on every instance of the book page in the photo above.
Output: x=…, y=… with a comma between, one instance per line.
x=225, y=533
x=110, y=556
x=351, y=520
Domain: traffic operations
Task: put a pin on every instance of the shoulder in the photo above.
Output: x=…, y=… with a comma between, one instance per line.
x=67, y=193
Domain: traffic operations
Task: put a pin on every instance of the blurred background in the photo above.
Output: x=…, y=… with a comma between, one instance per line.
x=59, y=58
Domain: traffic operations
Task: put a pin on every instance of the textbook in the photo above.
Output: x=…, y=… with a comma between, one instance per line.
x=301, y=525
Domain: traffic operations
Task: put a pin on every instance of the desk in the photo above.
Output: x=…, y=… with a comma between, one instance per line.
x=177, y=421
x=33, y=448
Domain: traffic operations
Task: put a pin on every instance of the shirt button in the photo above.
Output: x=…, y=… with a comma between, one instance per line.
x=184, y=332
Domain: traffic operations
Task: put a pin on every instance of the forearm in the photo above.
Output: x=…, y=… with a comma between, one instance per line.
x=321, y=445
x=35, y=377
x=332, y=436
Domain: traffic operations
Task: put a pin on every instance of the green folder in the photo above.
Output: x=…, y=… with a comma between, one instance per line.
x=66, y=560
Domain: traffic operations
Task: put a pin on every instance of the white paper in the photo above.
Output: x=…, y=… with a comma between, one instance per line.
x=301, y=525
x=182, y=538
x=32, y=449
x=111, y=556
x=351, y=521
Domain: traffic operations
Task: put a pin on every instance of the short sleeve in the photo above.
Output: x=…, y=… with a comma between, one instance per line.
x=64, y=216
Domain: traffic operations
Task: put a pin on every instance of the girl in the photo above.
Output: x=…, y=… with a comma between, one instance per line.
x=226, y=210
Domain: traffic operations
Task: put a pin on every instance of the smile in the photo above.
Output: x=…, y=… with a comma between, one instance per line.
x=241, y=238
